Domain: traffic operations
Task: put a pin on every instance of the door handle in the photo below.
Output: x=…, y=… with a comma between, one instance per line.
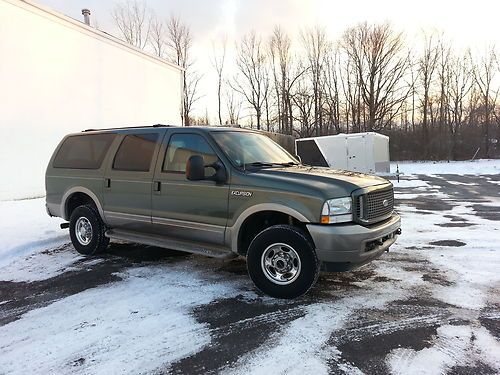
x=157, y=186
x=107, y=182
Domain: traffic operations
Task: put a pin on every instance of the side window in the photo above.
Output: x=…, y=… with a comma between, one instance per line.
x=136, y=152
x=181, y=147
x=83, y=151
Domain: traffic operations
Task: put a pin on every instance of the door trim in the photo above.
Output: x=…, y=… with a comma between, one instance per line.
x=189, y=224
x=125, y=216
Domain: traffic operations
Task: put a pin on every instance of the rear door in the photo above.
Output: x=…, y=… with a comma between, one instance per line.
x=192, y=210
x=356, y=154
x=128, y=180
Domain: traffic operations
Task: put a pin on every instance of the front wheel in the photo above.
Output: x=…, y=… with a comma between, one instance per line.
x=281, y=262
x=86, y=230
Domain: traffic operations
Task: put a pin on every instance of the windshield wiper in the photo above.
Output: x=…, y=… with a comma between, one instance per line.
x=288, y=164
x=270, y=164
x=259, y=164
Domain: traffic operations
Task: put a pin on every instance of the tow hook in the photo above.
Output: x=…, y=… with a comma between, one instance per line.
x=64, y=225
x=398, y=231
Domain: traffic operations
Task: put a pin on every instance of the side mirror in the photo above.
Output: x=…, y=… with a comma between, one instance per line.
x=220, y=174
x=195, y=168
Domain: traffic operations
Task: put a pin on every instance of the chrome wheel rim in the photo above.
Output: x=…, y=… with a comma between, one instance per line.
x=83, y=231
x=281, y=263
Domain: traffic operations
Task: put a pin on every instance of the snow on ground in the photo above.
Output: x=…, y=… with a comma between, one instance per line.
x=117, y=326
x=451, y=347
x=480, y=166
x=26, y=229
x=146, y=323
x=286, y=352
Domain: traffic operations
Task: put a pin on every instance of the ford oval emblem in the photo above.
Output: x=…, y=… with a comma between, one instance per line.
x=385, y=202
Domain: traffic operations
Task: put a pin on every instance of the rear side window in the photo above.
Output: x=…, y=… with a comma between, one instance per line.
x=136, y=152
x=83, y=151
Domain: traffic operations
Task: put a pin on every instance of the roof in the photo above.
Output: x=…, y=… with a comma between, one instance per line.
x=214, y=128
x=86, y=29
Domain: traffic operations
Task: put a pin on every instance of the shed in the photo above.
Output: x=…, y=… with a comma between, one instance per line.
x=358, y=152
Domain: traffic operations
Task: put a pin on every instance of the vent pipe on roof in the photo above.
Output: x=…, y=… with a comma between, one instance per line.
x=86, y=16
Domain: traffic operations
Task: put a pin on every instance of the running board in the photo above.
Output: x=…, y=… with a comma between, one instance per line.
x=209, y=250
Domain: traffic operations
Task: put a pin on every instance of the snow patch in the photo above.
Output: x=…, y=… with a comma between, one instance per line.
x=480, y=166
x=148, y=312
x=25, y=228
x=453, y=346
x=300, y=348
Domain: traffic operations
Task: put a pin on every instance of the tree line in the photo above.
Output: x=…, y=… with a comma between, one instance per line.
x=434, y=101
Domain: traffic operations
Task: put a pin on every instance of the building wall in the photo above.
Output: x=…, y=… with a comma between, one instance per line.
x=59, y=76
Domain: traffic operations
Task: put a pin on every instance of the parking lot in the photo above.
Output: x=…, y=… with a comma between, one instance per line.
x=430, y=305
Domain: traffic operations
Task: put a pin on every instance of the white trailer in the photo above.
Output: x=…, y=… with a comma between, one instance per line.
x=358, y=152
x=59, y=75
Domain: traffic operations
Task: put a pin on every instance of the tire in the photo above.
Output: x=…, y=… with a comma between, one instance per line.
x=299, y=265
x=88, y=238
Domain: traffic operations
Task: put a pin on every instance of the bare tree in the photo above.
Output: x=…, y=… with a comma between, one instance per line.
x=286, y=71
x=179, y=42
x=426, y=68
x=316, y=45
x=461, y=80
x=279, y=52
x=253, y=79
x=218, y=60
x=331, y=91
x=134, y=22
x=157, y=36
x=381, y=62
x=443, y=102
x=233, y=107
x=303, y=100
x=484, y=73
x=352, y=93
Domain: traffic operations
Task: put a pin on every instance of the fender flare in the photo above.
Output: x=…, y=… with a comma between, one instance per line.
x=232, y=233
x=79, y=189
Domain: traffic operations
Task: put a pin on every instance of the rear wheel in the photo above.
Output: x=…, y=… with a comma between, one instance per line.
x=86, y=230
x=281, y=262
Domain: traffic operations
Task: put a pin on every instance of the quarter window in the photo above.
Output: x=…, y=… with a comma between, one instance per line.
x=181, y=147
x=136, y=152
x=83, y=151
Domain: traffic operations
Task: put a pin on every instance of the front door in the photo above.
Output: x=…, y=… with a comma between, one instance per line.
x=192, y=210
x=128, y=181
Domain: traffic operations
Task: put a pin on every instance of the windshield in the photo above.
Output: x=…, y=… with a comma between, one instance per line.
x=252, y=149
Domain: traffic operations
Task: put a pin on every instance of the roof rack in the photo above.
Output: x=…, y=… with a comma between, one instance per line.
x=129, y=127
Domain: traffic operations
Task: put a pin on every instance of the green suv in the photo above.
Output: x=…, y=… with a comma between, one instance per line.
x=221, y=192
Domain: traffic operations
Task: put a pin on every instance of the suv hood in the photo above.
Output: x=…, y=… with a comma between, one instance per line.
x=321, y=176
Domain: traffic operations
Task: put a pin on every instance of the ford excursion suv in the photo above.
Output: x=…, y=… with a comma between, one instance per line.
x=221, y=192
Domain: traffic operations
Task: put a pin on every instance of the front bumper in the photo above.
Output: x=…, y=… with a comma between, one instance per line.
x=342, y=247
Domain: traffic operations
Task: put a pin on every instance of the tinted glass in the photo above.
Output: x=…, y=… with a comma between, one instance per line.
x=246, y=148
x=136, y=152
x=83, y=151
x=181, y=147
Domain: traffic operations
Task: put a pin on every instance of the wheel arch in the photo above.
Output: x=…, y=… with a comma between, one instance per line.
x=79, y=192
x=284, y=214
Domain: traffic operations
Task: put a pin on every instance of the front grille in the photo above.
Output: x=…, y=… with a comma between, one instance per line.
x=370, y=207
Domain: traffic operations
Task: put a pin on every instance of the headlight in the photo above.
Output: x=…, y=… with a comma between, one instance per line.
x=338, y=210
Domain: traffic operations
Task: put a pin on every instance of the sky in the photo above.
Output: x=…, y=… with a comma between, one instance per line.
x=473, y=24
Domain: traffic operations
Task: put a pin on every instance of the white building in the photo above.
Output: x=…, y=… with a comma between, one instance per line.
x=358, y=152
x=59, y=75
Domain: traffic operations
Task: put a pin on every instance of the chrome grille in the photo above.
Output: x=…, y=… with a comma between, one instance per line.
x=370, y=207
